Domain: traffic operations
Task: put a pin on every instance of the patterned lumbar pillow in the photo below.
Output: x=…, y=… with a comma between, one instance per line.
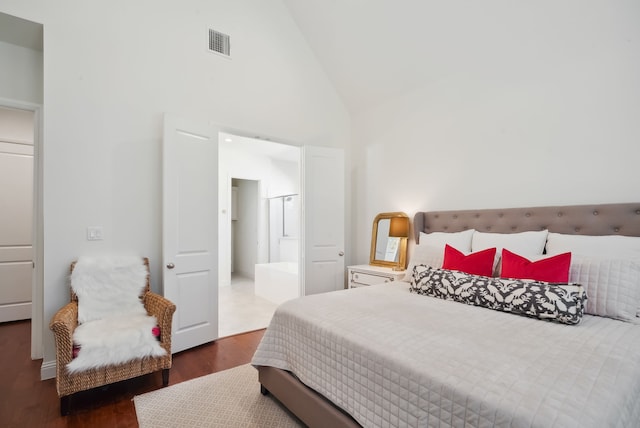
x=562, y=303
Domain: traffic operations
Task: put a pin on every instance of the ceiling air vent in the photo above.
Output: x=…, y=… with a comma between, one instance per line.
x=219, y=43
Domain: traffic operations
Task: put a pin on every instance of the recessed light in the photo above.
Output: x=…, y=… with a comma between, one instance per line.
x=228, y=140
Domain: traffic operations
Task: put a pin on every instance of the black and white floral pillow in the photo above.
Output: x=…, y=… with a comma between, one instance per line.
x=563, y=303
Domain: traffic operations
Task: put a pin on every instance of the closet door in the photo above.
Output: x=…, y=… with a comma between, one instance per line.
x=16, y=213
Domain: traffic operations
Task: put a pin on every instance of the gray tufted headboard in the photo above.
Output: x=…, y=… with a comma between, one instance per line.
x=604, y=219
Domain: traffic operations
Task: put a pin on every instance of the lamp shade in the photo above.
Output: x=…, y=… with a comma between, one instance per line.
x=399, y=227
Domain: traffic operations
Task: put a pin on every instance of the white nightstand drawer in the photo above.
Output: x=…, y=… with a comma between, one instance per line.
x=361, y=278
x=363, y=275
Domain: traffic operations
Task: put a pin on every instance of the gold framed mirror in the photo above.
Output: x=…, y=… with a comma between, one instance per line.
x=389, y=240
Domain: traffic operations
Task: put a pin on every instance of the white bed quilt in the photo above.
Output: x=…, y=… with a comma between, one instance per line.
x=392, y=358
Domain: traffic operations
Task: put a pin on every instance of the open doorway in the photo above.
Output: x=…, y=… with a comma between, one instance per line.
x=21, y=54
x=198, y=172
x=257, y=255
x=240, y=308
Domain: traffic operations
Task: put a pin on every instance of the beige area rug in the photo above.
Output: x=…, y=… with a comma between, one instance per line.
x=230, y=398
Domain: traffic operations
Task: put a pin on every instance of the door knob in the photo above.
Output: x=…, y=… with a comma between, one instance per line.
x=170, y=265
x=341, y=253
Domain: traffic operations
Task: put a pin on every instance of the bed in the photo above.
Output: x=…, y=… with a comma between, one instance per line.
x=385, y=356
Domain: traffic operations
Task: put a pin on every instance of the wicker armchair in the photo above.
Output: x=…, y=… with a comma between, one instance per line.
x=63, y=325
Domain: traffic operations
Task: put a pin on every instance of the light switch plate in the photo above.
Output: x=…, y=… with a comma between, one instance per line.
x=94, y=233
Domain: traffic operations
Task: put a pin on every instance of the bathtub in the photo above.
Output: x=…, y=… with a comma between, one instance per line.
x=277, y=282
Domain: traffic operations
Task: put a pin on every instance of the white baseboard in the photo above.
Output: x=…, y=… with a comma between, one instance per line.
x=48, y=370
x=15, y=312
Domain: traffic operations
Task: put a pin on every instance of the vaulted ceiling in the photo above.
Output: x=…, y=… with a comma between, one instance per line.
x=374, y=50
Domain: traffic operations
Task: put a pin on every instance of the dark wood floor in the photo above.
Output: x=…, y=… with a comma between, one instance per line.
x=26, y=401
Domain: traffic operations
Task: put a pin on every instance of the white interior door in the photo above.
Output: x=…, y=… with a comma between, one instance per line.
x=190, y=229
x=16, y=213
x=323, y=218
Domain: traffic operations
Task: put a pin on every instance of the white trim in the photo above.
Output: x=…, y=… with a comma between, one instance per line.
x=37, y=288
x=48, y=370
x=37, y=317
x=16, y=311
x=16, y=141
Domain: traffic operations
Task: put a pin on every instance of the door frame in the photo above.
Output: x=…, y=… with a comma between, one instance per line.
x=37, y=278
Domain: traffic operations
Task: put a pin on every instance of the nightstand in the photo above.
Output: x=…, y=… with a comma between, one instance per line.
x=363, y=275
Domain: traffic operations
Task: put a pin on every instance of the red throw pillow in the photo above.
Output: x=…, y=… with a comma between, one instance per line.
x=478, y=263
x=551, y=269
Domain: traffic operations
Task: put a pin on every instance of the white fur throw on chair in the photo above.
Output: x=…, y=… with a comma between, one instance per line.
x=108, y=286
x=114, y=340
x=113, y=324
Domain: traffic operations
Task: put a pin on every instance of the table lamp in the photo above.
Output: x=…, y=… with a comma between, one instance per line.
x=399, y=228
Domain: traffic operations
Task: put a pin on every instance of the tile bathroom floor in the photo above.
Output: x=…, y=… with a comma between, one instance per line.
x=240, y=310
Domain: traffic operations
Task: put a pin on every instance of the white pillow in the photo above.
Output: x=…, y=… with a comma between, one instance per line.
x=612, y=285
x=461, y=241
x=611, y=246
x=424, y=255
x=525, y=244
x=600, y=246
x=108, y=286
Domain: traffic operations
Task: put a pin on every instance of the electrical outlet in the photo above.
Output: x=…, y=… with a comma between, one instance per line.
x=94, y=233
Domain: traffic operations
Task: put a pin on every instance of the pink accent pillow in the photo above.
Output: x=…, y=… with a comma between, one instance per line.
x=550, y=269
x=478, y=263
x=156, y=332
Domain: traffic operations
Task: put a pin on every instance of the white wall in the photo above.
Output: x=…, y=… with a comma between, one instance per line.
x=16, y=125
x=20, y=73
x=285, y=178
x=246, y=228
x=110, y=72
x=548, y=114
